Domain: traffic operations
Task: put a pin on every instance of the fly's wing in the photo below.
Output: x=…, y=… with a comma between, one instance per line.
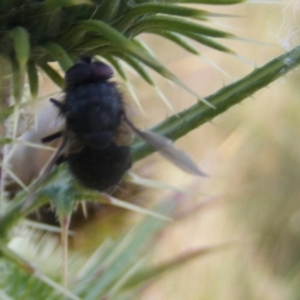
x=123, y=135
x=165, y=147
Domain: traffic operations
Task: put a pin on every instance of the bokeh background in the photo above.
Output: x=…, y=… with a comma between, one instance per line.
x=252, y=156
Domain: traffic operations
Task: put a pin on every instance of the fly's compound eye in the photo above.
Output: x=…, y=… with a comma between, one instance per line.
x=78, y=74
x=102, y=71
x=85, y=71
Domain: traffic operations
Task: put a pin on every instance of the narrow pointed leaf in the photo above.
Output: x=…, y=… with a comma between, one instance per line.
x=174, y=24
x=137, y=66
x=109, y=10
x=33, y=79
x=207, y=41
x=116, y=64
x=59, y=54
x=140, y=238
x=111, y=34
x=18, y=81
x=107, y=199
x=21, y=45
x=53, y=75
x=179, y=40
x=163, y=8
x=170, y=9
x=122, y=43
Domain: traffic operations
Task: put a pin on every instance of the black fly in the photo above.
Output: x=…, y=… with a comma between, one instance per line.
x=97, y=130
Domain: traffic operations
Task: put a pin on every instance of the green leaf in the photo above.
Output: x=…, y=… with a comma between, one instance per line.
x=207, y=41
x=137, y=66
x=179, y=40
x=109, y=10
x=33, y=79
x=115, y=63
x=21, y=45
x=52, y=74
x=59, y=54
x=162, y=8
x=170, y=9
x=18, y=81
x=121, y=43
x=115, y=37
x=173, y=24
x=124, y=257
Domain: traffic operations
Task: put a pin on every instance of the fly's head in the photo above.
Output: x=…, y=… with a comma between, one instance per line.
x=87, y=71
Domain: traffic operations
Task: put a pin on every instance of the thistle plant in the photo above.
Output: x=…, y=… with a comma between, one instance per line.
x=46, y=37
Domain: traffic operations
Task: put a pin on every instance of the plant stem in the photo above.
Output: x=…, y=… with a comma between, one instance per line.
x=180, y=124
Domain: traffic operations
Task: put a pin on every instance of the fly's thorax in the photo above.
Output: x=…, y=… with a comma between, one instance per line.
x=94, y=112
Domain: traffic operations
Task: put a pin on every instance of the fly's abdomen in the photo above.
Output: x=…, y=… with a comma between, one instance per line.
x=100, y=169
